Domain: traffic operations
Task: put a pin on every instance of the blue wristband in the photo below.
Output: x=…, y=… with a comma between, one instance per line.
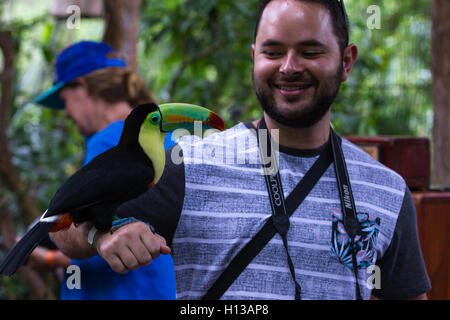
x=116, y=224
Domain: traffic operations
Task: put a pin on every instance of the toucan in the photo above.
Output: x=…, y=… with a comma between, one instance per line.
x=117, y=175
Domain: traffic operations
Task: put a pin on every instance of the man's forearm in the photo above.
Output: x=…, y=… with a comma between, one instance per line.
x=128, y=248
x=73, y=242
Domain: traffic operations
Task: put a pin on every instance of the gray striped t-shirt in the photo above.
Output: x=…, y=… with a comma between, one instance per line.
x=212, y=204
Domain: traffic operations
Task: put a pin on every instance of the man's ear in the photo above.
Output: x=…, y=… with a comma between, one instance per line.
x=348, y=59
x=253, y=51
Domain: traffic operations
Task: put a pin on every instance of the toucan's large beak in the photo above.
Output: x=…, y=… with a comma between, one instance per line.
x=183, y=115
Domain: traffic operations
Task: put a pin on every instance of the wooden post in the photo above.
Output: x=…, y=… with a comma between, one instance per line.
x=121, y=29
x=440, y=11
x=9, y=173
x=88, y=8
x=10, y=177
x=121, y=22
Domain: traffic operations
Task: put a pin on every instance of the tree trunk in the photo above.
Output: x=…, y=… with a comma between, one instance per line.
x=440, y=56
x=61, y=9
x=8, y=171
x=122, y=25
x=10, y=177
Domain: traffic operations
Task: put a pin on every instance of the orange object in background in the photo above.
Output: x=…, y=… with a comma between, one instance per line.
x=410, y=157
x=433, y=219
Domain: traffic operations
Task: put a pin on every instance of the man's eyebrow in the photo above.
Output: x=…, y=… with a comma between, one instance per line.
x=312, y=43
x=306, y=43
x=271, y=43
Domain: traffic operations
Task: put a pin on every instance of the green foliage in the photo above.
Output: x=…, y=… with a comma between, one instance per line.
x=12, y=288
x=388, y=92
x=200, y=52
x=46, y=146
x=389, y=89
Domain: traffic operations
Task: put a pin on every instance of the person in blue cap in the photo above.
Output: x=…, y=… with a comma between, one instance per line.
x=97, y=92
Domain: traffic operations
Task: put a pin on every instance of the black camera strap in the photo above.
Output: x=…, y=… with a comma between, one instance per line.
x=282, y=209
x=276, y=195
x=351, y=223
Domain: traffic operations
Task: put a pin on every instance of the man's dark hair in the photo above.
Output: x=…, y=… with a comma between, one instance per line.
x=338, y=17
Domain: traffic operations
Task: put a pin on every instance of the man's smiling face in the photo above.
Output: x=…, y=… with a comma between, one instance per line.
x=297, y=62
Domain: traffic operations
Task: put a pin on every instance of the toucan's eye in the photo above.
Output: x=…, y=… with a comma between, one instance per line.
x=155, y=118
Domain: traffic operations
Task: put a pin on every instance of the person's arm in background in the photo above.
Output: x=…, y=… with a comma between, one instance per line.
x=44, y=259
x=46, y=256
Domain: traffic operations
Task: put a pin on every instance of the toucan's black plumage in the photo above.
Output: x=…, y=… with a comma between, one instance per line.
x=113, y=177
x=124, y=172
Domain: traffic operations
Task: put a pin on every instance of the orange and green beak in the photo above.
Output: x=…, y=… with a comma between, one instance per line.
x=168, y=118
x=183, y=116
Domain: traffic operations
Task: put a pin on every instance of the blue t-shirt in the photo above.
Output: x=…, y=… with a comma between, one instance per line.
x=98, y=281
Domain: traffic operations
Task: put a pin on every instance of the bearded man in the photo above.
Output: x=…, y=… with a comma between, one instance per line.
x=312, y=228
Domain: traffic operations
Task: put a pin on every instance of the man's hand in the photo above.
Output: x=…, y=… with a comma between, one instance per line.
x=130, y=247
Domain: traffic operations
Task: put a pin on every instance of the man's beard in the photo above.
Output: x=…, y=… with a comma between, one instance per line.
x=309, y=114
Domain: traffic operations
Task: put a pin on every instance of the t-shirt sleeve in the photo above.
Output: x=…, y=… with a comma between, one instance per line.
x=403, y=273
x=161, y=205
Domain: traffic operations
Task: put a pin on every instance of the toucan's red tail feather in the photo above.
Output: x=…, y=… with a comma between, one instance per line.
x=63, y=223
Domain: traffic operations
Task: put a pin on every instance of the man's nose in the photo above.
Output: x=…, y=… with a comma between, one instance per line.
x=291, y=64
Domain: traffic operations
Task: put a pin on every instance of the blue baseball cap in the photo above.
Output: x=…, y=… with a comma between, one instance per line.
x=73, y=62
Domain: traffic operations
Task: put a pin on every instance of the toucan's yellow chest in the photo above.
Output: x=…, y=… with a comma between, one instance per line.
x=151, y=139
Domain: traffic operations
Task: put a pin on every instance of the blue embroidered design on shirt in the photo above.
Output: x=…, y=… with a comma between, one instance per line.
x=366, y=243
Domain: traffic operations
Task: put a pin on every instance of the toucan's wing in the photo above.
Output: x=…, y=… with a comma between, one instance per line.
x=114, y=175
